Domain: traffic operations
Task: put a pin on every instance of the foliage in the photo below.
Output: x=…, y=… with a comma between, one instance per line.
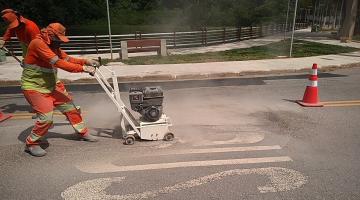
x=193, y=13
x=64, y=11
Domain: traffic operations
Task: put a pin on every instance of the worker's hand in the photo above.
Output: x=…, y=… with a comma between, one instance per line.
x=2, y=43
x=89, y=69
x=93, y=63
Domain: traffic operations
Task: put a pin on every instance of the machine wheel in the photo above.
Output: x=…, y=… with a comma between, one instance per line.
x=129, y=140
x=169, y=137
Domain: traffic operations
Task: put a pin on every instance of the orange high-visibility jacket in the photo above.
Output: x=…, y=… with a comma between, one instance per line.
x=41, y=63
x=26, y=32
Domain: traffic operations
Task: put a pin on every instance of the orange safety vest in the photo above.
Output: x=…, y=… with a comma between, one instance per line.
x=41, y=63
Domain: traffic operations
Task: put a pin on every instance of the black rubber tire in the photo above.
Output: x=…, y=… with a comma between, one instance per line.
x=129, y=140
x=169, y=137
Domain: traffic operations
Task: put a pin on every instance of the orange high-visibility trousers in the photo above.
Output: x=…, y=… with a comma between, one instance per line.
x=44, y=104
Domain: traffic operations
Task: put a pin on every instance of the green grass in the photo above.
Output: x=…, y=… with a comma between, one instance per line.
x=274, y=50
x=356, y=37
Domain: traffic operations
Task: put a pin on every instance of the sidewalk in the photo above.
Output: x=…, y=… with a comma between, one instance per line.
x=324, y=38
x=10, y=72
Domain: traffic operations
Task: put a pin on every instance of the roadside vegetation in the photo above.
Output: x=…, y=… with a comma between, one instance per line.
x=357, y=38
x=89, y=17
x=274, y=50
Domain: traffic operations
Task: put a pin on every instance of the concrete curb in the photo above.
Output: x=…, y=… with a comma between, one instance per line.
x=199, y=76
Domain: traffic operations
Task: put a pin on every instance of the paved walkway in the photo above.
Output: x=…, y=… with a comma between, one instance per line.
x=323, y=37
x=10, y=72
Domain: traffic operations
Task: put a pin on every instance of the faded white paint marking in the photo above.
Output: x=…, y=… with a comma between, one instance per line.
x=109, y=167
x=240, y=138
x=91, y=189
x=281, y=179
x=163, y=146
x=220, y=150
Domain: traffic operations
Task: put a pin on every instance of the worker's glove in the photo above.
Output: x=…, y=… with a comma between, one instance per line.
x=89, y=69
x=2, y=43
x=93, y=63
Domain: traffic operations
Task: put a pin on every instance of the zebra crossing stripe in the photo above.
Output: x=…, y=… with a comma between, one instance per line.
x=110, y=168
x=219, y=150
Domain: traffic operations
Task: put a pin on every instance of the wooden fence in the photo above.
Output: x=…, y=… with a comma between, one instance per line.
x=99, y=44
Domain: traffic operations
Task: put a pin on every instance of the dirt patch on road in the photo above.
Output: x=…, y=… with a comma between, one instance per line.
x=294, y=124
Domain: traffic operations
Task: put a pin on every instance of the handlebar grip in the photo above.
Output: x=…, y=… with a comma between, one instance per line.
x=92, y=73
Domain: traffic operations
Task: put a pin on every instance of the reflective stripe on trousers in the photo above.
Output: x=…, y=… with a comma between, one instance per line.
x=44, y=104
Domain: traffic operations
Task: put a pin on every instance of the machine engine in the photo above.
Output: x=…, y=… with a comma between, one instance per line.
x=147, y=101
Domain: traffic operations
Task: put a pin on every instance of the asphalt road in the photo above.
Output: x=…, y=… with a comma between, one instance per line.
x=235, y=139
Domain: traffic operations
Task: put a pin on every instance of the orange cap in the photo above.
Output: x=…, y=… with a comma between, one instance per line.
x=58, y=30
x=3, y=12
x=9, y=15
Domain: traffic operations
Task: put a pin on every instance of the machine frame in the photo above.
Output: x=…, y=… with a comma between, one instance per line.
x=132, y=127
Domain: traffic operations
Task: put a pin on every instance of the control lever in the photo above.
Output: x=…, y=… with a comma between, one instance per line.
x=93, y=73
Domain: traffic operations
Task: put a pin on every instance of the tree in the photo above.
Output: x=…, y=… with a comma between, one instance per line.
x=347, y=30
x=357, y=26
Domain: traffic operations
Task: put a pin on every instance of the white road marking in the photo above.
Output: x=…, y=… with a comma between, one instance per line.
x=281, y=179
x=163, y=146
x=220, y=150
x=240, y=138
x=109, y=167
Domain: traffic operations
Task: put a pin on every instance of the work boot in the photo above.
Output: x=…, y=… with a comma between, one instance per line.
x=35, y=150
x=88, y=138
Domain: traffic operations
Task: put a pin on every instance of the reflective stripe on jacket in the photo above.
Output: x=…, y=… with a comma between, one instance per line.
x=38, y=78
x=41, y=63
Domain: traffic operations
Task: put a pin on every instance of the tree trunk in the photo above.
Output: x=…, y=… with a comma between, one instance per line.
x=335, y=15
x=357, y=26
x=314, y=13
x=341, y=14
x=325, y=14
x=348, y=27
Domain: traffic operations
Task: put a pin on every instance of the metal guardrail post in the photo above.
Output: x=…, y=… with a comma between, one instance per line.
x=205, y=36
x=224, y=35
x=96, y=45
x=202, y=36
x=238, y=33
x=251, y=32
x=82, y=49
x=174, y=38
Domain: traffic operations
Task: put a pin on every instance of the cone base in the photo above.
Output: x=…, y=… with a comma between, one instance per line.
x=4, y=117
x=318, y=104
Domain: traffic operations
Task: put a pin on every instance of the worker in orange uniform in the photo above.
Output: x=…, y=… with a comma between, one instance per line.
x=24, y=29
x=44, y=91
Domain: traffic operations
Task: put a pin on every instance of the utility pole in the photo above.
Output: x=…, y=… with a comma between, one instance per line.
x=108, y=16
x=287, y=17
x=293, y=29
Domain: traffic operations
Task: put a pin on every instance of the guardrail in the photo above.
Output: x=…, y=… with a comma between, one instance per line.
x=99, y=44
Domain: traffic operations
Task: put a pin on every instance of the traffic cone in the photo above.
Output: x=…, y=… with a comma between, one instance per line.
x=4, y=117
x=311, y=95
